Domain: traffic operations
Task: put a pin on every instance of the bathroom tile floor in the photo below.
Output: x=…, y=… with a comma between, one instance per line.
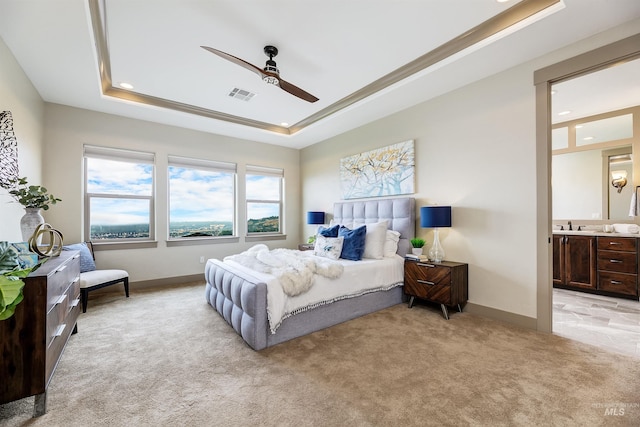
x=611, y=323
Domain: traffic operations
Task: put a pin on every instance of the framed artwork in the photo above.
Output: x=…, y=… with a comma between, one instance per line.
x=8, y=150
x=386, y=171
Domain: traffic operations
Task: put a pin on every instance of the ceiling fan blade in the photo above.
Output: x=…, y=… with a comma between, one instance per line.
x=235, y=60
x=296, y=91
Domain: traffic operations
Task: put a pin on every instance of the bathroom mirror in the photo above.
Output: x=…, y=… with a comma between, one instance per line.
x=592, y=124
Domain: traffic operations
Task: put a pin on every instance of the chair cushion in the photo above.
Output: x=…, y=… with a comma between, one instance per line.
x=97, y=277
x=86, y=259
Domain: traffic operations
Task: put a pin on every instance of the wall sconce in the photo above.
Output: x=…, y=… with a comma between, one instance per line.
x=434, y=217
x=619, y=179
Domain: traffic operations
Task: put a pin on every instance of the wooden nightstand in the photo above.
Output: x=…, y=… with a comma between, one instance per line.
x=445, y=283
x=305, y=247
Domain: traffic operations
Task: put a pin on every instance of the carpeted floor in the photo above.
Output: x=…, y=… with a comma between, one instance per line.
x=165, y=358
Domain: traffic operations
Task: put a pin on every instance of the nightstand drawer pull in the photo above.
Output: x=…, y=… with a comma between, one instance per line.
x=615, y=243
x=615, y=282
x=615, y=261
x=426, y=265
x=425, y=282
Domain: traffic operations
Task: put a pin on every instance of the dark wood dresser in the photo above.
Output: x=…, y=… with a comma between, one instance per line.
x=32, y=340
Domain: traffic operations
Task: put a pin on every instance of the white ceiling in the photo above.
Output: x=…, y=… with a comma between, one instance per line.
x=330, y=48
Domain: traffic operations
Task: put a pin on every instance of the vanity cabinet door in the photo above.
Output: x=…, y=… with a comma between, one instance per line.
x=574, y=261
x=581, y=261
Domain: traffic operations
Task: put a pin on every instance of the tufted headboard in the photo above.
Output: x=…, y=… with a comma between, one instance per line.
x=400, y=212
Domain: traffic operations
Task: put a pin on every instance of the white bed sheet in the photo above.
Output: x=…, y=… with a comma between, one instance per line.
x=358, y=278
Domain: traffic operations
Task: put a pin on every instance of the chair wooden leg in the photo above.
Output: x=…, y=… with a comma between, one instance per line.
x=84, y=296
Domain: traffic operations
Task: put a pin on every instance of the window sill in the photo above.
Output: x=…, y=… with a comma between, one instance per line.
x=264, y=237
x=112, y=246
x=193, y=241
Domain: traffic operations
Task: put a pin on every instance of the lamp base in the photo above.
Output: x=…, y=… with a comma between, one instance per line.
x=436, y=253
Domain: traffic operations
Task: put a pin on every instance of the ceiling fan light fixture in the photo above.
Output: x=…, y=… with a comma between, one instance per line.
x=271, y=80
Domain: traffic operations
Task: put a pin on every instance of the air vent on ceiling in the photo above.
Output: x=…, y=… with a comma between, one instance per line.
x=241, y=94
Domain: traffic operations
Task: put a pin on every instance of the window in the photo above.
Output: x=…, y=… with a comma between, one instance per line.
x=119, y=190
x=201, y=198
x=264, y=199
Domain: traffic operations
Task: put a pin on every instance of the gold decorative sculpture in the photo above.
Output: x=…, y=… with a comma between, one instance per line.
x=55, y=239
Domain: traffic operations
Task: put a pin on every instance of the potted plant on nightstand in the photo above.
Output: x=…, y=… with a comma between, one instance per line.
x=32, y=198
x=417, y=244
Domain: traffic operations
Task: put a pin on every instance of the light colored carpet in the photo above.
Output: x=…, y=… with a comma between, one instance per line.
x=165, y=358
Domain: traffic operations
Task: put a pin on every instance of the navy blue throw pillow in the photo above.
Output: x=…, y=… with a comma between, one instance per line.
x=329, y=232
x=353, y=244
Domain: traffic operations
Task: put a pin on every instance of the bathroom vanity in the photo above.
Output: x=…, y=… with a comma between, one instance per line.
x=601, y=263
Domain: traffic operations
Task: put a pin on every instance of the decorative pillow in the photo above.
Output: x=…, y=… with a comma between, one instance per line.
x=374, y=242
x=328, y=247
x=86, y=260
x=391, y=243
x=354, y=240
x=329, y=232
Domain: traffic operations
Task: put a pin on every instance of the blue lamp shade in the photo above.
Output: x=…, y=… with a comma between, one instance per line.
x=435, y=216
x=315, y=217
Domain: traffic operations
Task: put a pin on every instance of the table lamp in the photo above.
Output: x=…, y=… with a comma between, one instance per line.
x=435, y=217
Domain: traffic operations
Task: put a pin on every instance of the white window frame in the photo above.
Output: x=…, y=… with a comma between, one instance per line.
x=266, y=171
x=202, y=164
x=122, y=155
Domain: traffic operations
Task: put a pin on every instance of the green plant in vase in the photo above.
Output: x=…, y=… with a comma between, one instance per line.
x=417, y=243
x=32, y=196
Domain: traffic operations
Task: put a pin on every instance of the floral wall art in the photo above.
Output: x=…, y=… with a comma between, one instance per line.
x=386, y=171
x=8, y=150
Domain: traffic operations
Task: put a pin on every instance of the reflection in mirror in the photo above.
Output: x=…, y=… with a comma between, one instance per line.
x=620, y=177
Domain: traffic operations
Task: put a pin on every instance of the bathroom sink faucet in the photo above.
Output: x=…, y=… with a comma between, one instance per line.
x=570, y=226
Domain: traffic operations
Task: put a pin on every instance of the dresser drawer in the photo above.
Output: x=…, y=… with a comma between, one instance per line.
x=621, y=262
x=627, y=244
x=618, y=283
x=59, y=280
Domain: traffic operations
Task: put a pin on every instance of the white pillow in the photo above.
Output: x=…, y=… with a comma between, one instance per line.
x=391, y=243
x=328, y=247
x=374, y=242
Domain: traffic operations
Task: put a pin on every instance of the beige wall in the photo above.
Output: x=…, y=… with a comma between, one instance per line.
x=67, y=129
x=18, y=95
x=475, y=150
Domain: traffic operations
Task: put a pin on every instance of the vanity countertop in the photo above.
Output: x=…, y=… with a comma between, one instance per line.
x=595, y=233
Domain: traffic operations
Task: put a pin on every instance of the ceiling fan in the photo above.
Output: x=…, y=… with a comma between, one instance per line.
x=270, y=74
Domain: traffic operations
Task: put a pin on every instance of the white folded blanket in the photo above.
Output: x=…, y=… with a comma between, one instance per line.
x=626, y=228
x=294, y=269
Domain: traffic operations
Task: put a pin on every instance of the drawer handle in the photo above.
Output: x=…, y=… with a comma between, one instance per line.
x=615, y=243
x=59, y=330
x=615, y=261
x=60, y=299
x=75, y=302
x=426, y=265
x=425, y=282
x=76, y=256
x=77, y=279
x=616, y=282
x=61, y=268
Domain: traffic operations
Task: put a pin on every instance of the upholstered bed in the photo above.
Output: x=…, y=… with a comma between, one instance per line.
x=239, y=295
